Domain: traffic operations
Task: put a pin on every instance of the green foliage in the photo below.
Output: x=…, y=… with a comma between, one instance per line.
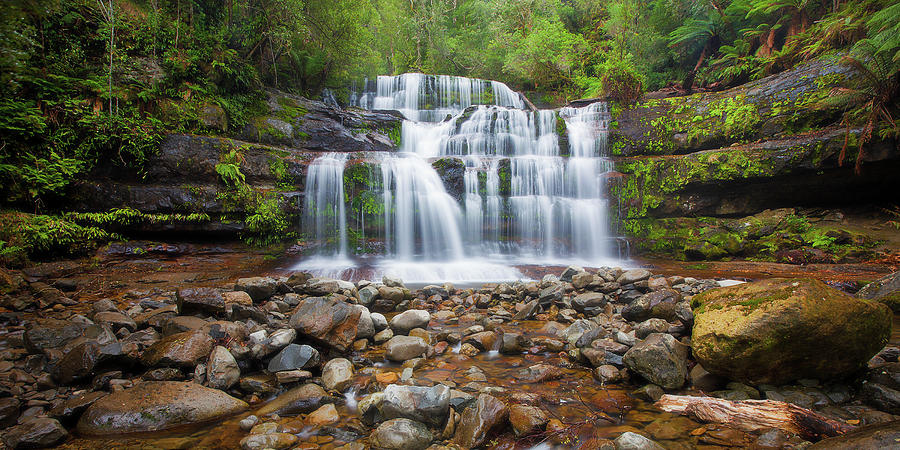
x=266, y=222
x=126, y=217
x=40, y=236
x=229, y=170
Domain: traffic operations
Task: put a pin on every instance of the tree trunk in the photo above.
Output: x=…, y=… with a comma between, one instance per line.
x=753, y=415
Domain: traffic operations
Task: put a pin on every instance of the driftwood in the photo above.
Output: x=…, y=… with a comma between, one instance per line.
x=753, y=415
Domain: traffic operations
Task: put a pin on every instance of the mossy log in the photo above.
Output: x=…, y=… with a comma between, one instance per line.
x=754, y=415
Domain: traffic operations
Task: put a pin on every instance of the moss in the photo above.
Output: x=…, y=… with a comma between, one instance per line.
x=290, y=110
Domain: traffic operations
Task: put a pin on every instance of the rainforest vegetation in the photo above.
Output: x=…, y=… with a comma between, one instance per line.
x=85, y=83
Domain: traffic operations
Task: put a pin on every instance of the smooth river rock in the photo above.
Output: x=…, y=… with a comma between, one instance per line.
x=403, y=348
x=301, y=399
x=337, y=374
x=480, y=420
x=660, y=359
x=401, y=434
x=407, y=320
x=155, y=406
x=423, y=404
x=36, y=432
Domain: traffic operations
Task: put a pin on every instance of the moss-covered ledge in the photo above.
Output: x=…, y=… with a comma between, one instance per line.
x=745, y=179
x=778, y=105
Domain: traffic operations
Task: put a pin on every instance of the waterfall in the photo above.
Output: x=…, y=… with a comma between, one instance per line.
x=521, y=197
x=324, y=210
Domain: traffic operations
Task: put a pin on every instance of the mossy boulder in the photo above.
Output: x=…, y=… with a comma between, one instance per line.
x=779, y=330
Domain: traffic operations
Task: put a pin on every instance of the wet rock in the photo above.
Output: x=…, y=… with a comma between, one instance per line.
x=632, y=276
x=551, y=294
x=337, y=374
x=885, y=290
x=366, y=327
x=589, y=301
x=379, y=321
x=278, y=340
x=383, y=336
x=248, y=422
x=79, y=362
x=703, y=380
x=222, y=371
x=660, y=359
x=301, y=399
x=9, y=411
x=392, y=281
x=882, y=397
x=649, y=326
x=36, y=432
x=407, y=320
x=608, y=374
x=480, y=420
x=329, y=321
x=582, y=279
x=527, y=420
x=657, y=304
x=367, y=295
x=115, y=320
x=294, y=357
x=237, y=298
x=871, y=437
x=528, y=310
x=298, y=279
x=402, y=348
x=259, y=288
x=539, y=373
x=325, y=415
x=72, y=407
x=580, y=328
x=200, y=300
x=47, y=334
x=181, y=349
x=610, y=346
x=778, y=330
x=423, y=404
x=483, y=341
x=634, y=441
x=401, y=434
x=163, y=374
x=156, y=405
x=180, y=324
x=512, y=343
x=292, y=376
x=388, y=297
x=261, y=384
x=274, y=441
x=571, y=271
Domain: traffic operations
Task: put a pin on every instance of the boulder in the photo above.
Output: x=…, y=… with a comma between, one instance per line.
x=589, y=301
x=885, y=290
x=180, y=349
x=779, y=330
x=407, y=320
x=273, y=441
x=570, y=272
x=337, y=374
x=45, y=334
x=222, y=371
x=156, y=405
x=237, y=298
x=657, y=304
x=633, y=276
x=483, y=341
x=660, y=359
x=392, y=281
x=301, y=399
x=326, y=415
x=870, y=437
x=401, y=434
x=79, y=362
x=294, y=357
x=366, y=327
x=9, y=411
x=200, y=300
x=115, y=320
x=480, y=420
x=403, y=348
x=367, y=295
x=423, y=404
x=36, y=432
x=327, y=320
x=259, y=288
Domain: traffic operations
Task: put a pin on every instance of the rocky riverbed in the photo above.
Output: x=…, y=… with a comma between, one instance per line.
x=576, y=359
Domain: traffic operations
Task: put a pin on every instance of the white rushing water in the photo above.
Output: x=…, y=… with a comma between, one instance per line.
x=522, y=198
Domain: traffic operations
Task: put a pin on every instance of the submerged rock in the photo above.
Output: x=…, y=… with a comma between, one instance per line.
x=424, y=404
x=401, y=434
x=301, y=399
x=779, y=330
x=155, y=406
x=480, y=420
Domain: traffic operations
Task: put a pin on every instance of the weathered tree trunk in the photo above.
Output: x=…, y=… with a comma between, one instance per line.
x=753, y=415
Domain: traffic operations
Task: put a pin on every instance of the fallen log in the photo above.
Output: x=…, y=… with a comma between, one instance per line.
x=754, y=415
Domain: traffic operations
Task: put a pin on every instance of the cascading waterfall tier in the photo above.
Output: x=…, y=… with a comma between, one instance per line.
x=525, y=196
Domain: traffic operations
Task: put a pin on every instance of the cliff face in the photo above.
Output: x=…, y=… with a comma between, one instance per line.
x=272, y=154
x=698, y=163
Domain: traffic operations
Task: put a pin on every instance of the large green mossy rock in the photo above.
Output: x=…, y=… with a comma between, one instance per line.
x=779, y=330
